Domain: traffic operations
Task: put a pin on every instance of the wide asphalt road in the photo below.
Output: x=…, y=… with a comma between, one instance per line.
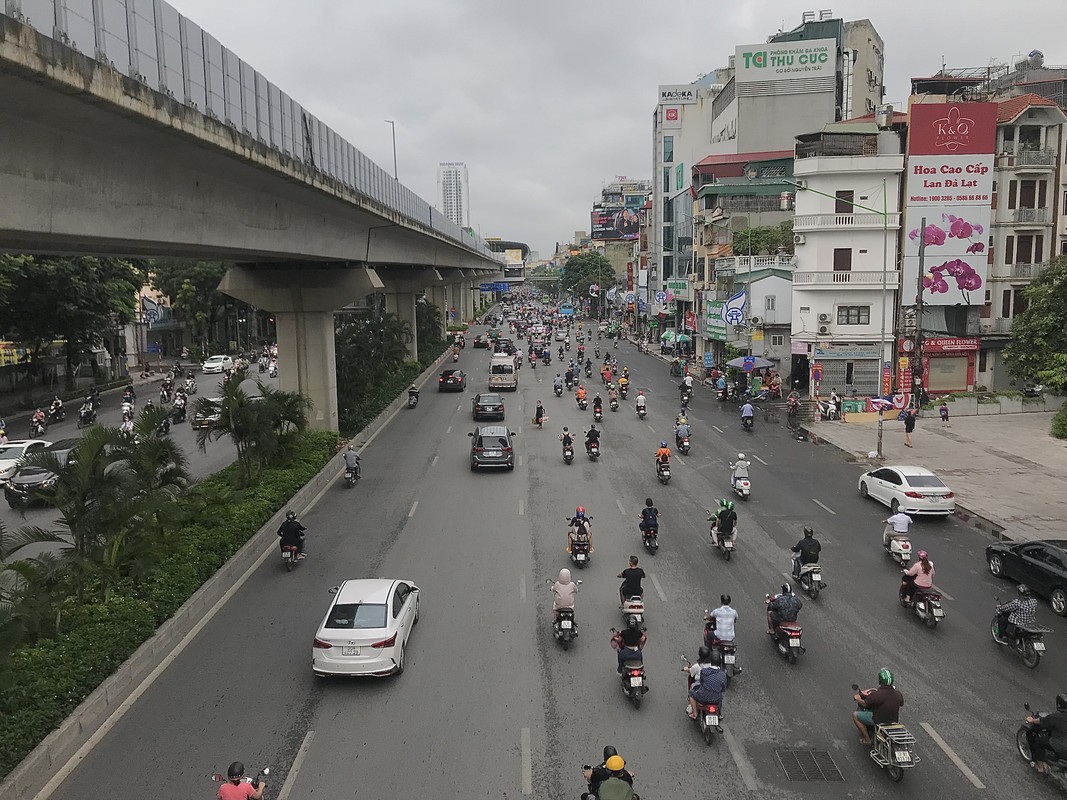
x=490, y=706
x=200, y=464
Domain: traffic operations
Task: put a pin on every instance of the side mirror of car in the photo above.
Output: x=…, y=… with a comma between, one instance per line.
x=470, y=434
x=333, y=589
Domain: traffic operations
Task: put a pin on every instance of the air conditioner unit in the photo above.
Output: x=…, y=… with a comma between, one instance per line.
x=824, y=318
x=754, y=321
x=800, y=183
x=798, y=238
x=824, y=329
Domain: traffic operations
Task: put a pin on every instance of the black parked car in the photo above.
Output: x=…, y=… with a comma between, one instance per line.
x=487, y=405
x=1041, y=565
x=31, y=484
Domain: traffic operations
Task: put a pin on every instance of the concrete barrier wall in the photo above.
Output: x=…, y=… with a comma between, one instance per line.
x=30, y=776
x=969, y=406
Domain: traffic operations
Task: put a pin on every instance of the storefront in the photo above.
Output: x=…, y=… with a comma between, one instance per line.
x=851, y=369
x=949, y=363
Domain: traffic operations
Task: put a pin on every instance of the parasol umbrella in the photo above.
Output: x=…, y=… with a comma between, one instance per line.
x=684, y=337
x=757, y=362
x=668, y=336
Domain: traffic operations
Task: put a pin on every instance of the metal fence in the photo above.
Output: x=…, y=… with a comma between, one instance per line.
x=149, y=41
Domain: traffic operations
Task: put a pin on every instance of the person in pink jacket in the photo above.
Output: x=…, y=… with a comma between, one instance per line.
x=919, y=576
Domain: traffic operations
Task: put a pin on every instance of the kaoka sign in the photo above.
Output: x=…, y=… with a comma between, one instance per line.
x=677, y=94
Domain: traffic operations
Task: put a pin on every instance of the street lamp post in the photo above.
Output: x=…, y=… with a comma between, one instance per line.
x=393, y=126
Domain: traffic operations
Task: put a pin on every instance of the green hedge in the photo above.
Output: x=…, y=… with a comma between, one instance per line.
x=356, y=415
x=1059, y=423
x=52, y=677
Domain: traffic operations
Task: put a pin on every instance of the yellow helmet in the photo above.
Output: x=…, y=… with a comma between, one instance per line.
x=615, y=763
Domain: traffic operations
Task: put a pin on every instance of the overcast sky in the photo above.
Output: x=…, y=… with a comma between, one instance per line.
x=546, y=101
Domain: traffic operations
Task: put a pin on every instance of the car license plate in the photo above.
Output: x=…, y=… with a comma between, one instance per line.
x=1039, y=647
x=711, y=719
x=730, y=658
x=492, y=453
x=580, y=556
x=794, y=641
x=636, y=681
x=903, y=755
x=939, y=612
x=350, y=651
x=566, y=624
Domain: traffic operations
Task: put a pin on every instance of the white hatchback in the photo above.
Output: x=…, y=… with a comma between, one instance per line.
x=216, y=364
x=14, y=450
x=913, y=490
x=366, y=629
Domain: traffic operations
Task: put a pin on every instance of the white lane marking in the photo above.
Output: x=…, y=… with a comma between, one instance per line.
x=413, y=507
x=519, y=461
x=720, y=430
x=521, y=509
x=760, y=460
x=744, y=766
x=449, y=429
x=816, y=502
x=659, y=589
x=522, y=587
x=651, y=428
x=434, y=462
x=619, y=504
x=294, y=770
x=944, y=594
x=527, y=762
x=955, y=759
x=459, y=407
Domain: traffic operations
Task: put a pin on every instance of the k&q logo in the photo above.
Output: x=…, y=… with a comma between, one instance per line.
x=953, y=130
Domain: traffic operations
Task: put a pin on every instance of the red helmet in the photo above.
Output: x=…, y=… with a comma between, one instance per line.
x=579, y=512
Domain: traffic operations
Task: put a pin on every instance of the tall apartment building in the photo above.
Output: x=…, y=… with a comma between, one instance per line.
x=453, y=192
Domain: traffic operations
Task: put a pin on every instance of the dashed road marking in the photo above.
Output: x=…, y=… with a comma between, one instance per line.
x=527, y=761
x=619, y=504
x=413, y=507
x=659, y=589
x=521, y=509
x=294, y=770
x=955, y=759
x=522, y=587
x=823, y=505
x=434, y=462
x=944, y=594
x=449, y=429
x=720, y=430
x=760, y=460
x=651, y=428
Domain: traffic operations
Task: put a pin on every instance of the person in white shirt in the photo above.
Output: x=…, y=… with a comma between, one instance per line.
x=640, y=400
x=725, y=620
x=688, y=381
x=896, y=525
x=740, y=468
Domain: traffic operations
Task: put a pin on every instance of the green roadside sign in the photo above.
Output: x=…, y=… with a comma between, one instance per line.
x=653, y=323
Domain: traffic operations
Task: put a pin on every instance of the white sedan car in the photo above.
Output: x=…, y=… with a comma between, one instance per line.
x=366, y=630
x=913, y=490
x=216, y=364
x=15, y=449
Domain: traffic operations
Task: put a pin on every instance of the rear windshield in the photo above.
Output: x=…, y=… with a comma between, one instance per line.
x=490, y=442
x=502, y=369
x=11, y=451
x=928, y=481
x=490, y=400
x=357, y=616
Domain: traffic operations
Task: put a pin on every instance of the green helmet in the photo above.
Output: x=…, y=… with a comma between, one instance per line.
x=730, y=505
x=885, y=677
x=724, y=504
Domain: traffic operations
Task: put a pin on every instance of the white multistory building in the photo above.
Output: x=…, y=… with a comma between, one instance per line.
x=453, y=192
x=846, y=228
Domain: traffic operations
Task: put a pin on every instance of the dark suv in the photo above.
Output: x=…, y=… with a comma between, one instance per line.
x=492, y=446
x=26, y=485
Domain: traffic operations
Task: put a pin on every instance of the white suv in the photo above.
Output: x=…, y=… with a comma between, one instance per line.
x=216, y=364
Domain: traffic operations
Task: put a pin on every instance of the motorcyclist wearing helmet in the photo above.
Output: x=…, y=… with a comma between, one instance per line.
x=641, y=401
x=292, y=533
x=880, y=706
x=1022, y=611
x=681, y=430
x=612, y=772
x=592, y=435
x=558, y=382
x=740, y=469
x=708, y=681
x=725, y=521
x=663, y=455
x=598, y=403
x=580, y=393
x=784, y=607
x=581, y=527
x=1052, y=730
x=352, y=460
x=236, y=788
x=630, y=643
x=806, y=551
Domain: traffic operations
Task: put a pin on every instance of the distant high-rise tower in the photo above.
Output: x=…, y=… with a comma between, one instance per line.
x=453, y=193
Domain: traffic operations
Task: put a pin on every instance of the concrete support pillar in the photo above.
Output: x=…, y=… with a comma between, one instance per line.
x=403, y=305
x=303, y=298
x=437, y=296
x=467, y=311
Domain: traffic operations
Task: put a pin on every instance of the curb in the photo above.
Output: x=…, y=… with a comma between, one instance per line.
x=964, y=515
x=34, y=772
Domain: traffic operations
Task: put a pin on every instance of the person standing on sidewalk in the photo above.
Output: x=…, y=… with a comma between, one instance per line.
x=944, y=412
x=909, y=426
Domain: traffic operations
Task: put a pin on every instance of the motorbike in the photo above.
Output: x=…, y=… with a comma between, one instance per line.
x=727, y=649
x=726, y=544
x=290, y=557
x=633, y=608
x=686, y=395
x=1026, y=642
x=898, y=547
x=624, y=390
x=164, y=395
x=810, y=579
x=190, y=386
x=568, y=383
x=642, y=412
x=748, y=423
x=352, y=474
x=564, y=628
x=632, y=679
x=663, y=472
x=787, y=639
x=892, y=747
x=546, y=359
x=598, y=413
x=163, y=428
x=262, y=365
x=593, y=450
x=261, y=777
x=926, y=603
x=56, y=415
x=762, y=394
x=37, y=428
x=1026, y=739
x=273, y=372
x=596, y=352
x=568, y=453
x=742, y=487
x=613, y=404
x=650, y=539
x=589, y=372
x=683, y=445
x=413, y=398
x=580, y=553
x=86, y=416
x=792, y=407
x=455, y=356
x=707, y=713
x=558, y=390
x=178, y=414
x=583, y=404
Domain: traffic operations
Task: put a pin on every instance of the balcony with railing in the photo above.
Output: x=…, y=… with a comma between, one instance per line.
x=1031, y=216
x=836, y=279
x=739, y=265
x=828, y=222
x=1027, y=271
x=1028, y=160
x=991, y=325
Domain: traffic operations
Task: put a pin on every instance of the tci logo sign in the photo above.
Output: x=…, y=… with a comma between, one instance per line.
x=953, y=130
x=757, y=59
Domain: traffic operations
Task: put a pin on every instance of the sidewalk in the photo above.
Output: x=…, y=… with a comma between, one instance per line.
x=1009, y=475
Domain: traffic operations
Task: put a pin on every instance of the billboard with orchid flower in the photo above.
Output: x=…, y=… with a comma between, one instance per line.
x=950, y=184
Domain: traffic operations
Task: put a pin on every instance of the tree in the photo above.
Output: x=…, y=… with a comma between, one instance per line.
x=1038, y=345
x=192, y=287
x=583, y=270
x=367, y=350
x=428, y=325
x=76, y=300
x=767, y=240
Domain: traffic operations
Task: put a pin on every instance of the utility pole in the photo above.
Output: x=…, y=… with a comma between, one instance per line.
x=917, y=366
x=885, y=277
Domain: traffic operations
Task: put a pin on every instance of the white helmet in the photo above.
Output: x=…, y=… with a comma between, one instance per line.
x=740, y=456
